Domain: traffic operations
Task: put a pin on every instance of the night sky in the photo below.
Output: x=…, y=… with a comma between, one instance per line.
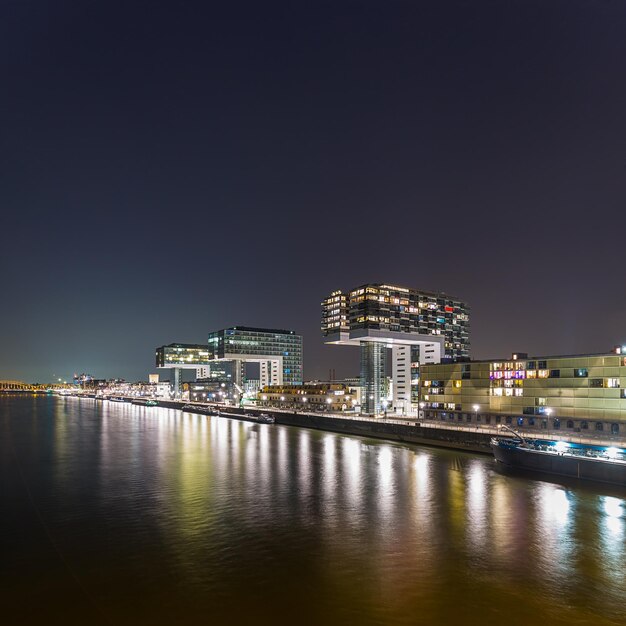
x=171, y=168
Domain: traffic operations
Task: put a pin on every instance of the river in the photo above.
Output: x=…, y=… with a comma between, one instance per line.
x=121, y=514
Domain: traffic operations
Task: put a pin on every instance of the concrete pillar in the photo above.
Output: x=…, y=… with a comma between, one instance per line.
x=431, y=353
x=277, y=373
x=264, y=376
x=401, y=374
x=177, y=382
x=373, y=368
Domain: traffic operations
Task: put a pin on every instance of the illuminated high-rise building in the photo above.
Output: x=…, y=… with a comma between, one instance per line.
x=419, y=327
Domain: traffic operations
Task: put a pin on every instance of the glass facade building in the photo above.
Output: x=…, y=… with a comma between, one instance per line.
x=185, y=355
x=279, y=352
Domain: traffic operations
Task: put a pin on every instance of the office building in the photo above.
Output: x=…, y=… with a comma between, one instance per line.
x=278, y=353
x=576, y=392
x=179, y=356
x=419, y=326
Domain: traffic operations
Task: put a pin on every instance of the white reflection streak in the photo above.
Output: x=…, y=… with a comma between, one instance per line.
x=477, y=506
x=422, y=470
x=351, y=453
x=264, y=453
x=304, y=463
x=555, y=520
x=423, y=494
x=330, y=471
x=613, y=506
x=613, y=536
x=282, y=454
x=554, y=505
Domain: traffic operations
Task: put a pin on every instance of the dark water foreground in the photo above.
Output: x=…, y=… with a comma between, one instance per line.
x=120, y=514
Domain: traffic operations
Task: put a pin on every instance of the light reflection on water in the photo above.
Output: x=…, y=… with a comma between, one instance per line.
x=154, y=517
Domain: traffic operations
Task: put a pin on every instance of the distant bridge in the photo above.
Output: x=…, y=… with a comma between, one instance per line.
x=15, y=385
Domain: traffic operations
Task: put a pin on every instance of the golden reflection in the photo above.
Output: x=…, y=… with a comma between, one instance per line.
x=422, y=487
x=502, y=520
x=456, y=502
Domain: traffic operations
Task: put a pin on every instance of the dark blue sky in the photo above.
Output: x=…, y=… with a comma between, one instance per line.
x=169, y=168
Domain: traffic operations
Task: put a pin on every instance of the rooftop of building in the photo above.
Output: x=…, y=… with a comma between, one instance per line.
x=199, y=346
x=425, y=292
x=253, y=329
x=523, y=356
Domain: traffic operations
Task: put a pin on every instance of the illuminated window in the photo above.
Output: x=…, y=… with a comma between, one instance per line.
x=612, y=383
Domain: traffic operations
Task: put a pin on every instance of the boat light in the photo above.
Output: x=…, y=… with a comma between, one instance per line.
x=612, y=452
x=561, y=446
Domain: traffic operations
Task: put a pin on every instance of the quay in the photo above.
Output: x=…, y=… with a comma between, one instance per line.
x=407, y=430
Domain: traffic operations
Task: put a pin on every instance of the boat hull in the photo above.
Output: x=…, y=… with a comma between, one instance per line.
x=562, y=465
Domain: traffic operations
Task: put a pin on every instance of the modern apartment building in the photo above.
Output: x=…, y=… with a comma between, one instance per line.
x=278, y=352
x=419, y=326
x=576, y=392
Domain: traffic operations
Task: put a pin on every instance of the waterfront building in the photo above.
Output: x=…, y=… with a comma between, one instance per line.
x=179, y=356
x=210, y=390
x=218, y=369
x=278, y=353
x=572, y=392
x=312, y=396
x=419, y=326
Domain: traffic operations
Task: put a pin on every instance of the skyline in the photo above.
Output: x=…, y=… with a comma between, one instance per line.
x=169, y=171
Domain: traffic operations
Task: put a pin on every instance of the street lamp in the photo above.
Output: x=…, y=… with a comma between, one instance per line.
x=476, y=407
x=385, y=403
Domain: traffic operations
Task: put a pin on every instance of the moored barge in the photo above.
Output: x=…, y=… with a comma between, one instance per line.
x=587, y=462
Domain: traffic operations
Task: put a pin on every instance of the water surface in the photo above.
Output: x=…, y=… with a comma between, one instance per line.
x=120, y=514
